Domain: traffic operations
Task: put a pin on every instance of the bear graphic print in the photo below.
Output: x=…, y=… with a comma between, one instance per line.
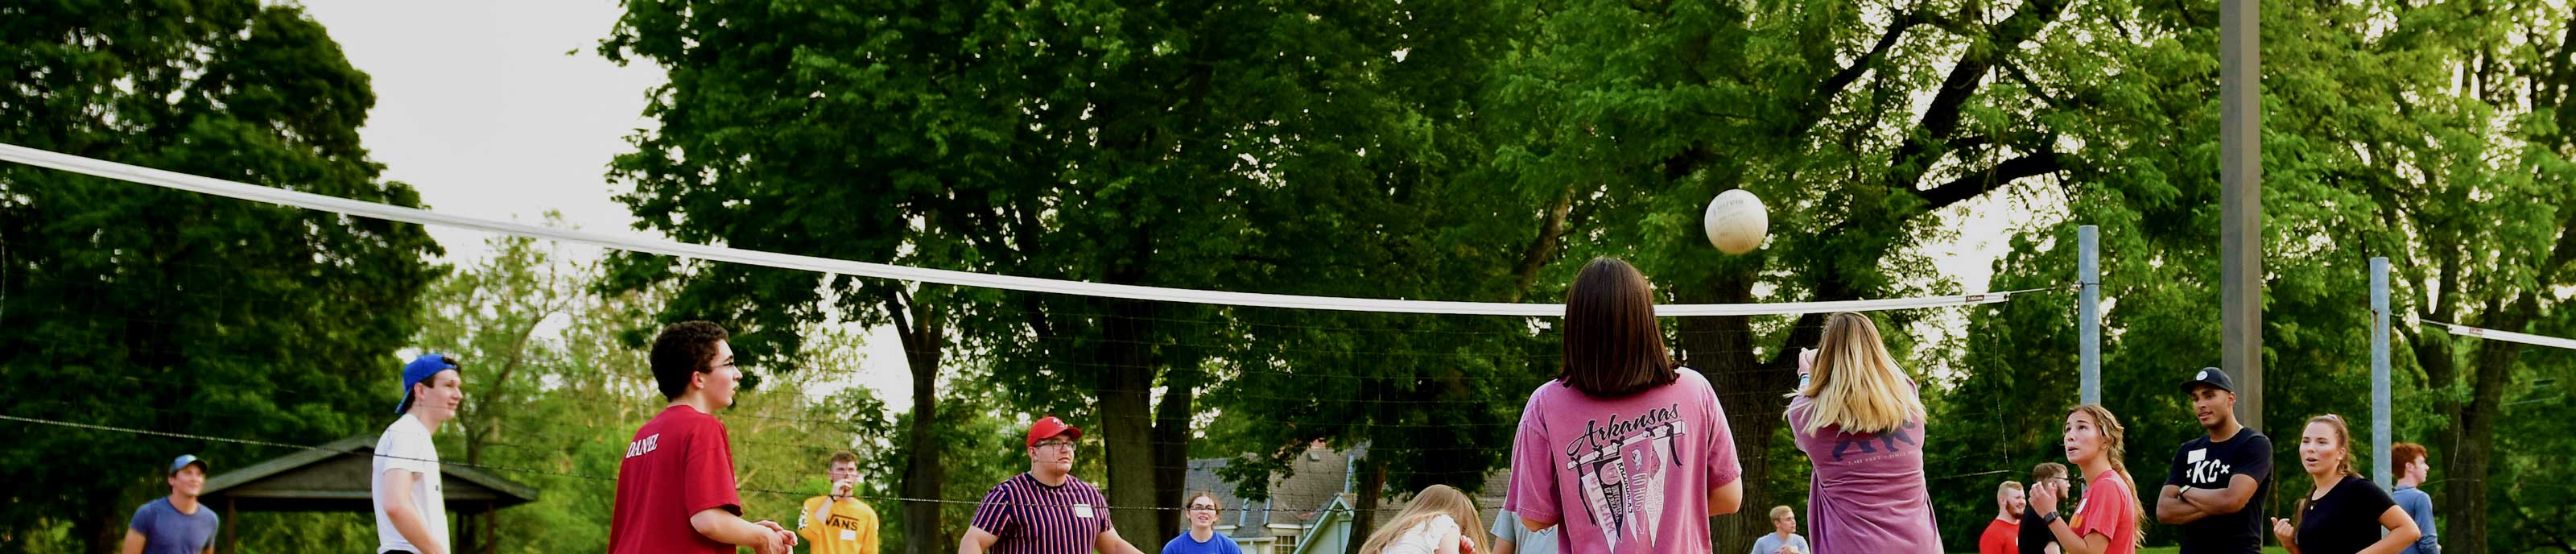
x=1623, y=475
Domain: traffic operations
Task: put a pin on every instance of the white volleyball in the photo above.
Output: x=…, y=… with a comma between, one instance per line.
x=1736, y=222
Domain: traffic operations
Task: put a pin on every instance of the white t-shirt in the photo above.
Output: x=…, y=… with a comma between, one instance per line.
x=1423, y=538
x=405, y=446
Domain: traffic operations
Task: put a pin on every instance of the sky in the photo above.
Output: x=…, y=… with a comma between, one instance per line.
x=505, y=110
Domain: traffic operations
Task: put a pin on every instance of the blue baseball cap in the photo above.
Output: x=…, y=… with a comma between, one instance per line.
x=420, y=369
x=2209, y=377
x=184, y=461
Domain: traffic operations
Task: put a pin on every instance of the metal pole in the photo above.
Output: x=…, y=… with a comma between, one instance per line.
x=2379, y=410
x=2240, y=177
x=2088, y=310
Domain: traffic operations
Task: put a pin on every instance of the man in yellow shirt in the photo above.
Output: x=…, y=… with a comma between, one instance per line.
x=839, y=523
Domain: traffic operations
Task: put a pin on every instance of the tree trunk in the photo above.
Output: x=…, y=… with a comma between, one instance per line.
x=1750, y=391
x=2464, y=521
x=924, y=476
x=1364, y=508
x=100, y=523
x=1172, y=452
x=1126, y=423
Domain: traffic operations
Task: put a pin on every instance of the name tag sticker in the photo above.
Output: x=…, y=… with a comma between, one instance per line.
x=849, y=534
x=1082, y=510
x=2196, y=456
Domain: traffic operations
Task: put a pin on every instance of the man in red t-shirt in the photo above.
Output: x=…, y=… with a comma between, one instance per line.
x=675, y=491
x=2003, y=535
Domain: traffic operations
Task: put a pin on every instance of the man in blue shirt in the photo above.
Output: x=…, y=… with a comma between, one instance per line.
x=2412, y=467
x=176, y=524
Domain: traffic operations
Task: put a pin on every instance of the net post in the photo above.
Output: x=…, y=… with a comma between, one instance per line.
x=2088, y=316
x=2379, y=408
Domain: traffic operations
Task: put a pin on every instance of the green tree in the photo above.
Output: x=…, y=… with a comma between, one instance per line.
x=2372, y=147
x=140, y=307
x=1124, y=143
x=1858, y=123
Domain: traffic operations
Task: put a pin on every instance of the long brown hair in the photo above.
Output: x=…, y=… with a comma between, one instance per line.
x=1613, y=347
x=1856, y=383
x=2116, y=447
x=1434, y=501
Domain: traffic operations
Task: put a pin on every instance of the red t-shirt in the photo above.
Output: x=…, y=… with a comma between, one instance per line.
x=2110, y=509
x=680, y=464
x=2003, y=536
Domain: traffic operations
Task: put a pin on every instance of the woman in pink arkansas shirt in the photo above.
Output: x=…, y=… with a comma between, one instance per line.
x=1859, y=420
x=1626, y=449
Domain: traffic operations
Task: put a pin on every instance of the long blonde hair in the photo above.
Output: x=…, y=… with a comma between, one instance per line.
x=2115, y=446
x=1433, y=501
x=1856, y=384
x=2343, y=467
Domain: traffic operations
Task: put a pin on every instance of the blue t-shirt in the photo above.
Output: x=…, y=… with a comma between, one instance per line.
x=1507, y=526
x=1217, y=543
x=166, y=531
x=2420, y=507
x=1771, y=542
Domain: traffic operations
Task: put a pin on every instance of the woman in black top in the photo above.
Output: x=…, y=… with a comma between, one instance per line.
x=2345, y=512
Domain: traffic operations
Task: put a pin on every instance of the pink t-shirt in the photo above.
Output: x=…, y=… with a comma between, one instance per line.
x=1868, y=491
x=1623, y=475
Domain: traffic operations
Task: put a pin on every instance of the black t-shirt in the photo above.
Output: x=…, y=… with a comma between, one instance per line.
x=2202, y=464
x=2035, y=536
x=2346, y=520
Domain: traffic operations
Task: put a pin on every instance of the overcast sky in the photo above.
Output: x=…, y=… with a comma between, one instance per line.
x=479, y=106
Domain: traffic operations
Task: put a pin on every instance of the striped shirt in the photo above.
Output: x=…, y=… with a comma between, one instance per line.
x=1033, y=518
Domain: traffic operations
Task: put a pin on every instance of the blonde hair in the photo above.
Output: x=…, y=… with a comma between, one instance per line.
x=1777, y=511
x=1434, y=501
x=2007, y=487
x=2116, y=448
x=1856, y=384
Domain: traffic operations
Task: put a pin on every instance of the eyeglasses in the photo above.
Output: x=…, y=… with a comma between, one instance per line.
x=1056, y=443
x=1207, y=507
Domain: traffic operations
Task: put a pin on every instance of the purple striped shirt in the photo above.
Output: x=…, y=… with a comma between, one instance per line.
x=1033, y=518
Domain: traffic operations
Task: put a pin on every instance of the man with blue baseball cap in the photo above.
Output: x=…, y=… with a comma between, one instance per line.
x=411, y=508
x=176, y=524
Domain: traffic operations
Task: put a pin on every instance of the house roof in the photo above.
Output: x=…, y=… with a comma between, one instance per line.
x=1303, y=498
x=337, y=477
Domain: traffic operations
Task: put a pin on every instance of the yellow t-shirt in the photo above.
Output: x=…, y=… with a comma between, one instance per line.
x=851, y=528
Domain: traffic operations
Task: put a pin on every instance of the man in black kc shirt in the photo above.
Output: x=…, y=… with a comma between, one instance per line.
x=2218, y=483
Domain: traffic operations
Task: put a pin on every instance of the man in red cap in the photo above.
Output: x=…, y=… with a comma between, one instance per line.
x=1047, y=510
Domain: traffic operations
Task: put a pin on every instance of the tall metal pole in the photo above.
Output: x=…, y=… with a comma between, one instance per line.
x=2379, y=410
x=2240, y=232
x=2088, y=311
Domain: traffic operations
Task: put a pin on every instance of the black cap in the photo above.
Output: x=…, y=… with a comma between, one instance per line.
x=2209, y=376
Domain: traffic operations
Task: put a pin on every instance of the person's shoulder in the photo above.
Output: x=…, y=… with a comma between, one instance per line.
x=1688, y=375
x=2255, y=440
x=2195, y=442
x=152, y=510
x=1074, y=483
x=1015, y=482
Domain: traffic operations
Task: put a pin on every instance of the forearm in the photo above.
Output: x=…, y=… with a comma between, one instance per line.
x=2177, y=509
x=2214, y=502
x=415, y=530
x=2390, y=544
x=2067, y=539
x=729, y=529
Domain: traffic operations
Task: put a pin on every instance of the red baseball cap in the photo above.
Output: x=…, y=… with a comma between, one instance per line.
x=1049, y=426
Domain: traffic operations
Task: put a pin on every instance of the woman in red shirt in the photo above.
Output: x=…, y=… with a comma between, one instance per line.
x=2107, y=521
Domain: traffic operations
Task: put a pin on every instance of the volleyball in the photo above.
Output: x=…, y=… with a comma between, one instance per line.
x=1736, y=222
